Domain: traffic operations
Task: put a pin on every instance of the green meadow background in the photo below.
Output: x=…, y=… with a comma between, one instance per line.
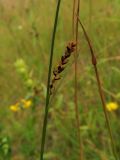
x=25, y=33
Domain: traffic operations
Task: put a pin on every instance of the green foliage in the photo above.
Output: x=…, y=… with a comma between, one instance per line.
x=5, y=148
x=25, y=38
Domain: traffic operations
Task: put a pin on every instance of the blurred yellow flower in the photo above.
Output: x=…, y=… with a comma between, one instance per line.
x=27, y=103
x=23, y=104
x=112, y=106
x=14, y=108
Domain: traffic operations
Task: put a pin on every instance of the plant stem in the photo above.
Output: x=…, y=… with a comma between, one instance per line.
x=76, y=79
x=90, y=15
x=48, y=83
x=94, y=62
x=73, y=17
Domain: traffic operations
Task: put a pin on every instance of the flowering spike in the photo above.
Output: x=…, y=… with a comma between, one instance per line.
x=64, y=60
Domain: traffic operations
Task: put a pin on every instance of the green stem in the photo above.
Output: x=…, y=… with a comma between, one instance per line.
x=48, y=83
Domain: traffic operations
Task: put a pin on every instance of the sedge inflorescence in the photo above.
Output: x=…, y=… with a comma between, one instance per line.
x=23, y=104
x=112, y=106
x=61, y=66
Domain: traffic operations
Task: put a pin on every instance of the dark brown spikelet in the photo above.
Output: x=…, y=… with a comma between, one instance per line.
x=70, y=48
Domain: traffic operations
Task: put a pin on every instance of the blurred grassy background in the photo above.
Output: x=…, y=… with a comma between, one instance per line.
x=25, y=32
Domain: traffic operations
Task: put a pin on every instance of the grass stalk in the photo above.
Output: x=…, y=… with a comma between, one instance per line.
x=90, y=14
x=94, y=62
x=48, y=83
x=76, y=78
x=73, y=17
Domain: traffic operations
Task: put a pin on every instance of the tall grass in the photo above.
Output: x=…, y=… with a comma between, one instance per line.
x=48, y=83
x=62, y=129
x=94, y=62
x=76, y=10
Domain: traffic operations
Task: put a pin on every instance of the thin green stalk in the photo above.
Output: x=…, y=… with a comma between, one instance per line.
x=48, y=83
x=94, y=62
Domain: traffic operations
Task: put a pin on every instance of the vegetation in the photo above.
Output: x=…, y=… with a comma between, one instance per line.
x=75, y=125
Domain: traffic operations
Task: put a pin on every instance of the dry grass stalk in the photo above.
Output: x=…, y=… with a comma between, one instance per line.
x=73, y=17
x=76, y=10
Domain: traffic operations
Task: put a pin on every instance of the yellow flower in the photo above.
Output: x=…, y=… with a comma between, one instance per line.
x=27, y=103
x=14, y=108
x=111, y=106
